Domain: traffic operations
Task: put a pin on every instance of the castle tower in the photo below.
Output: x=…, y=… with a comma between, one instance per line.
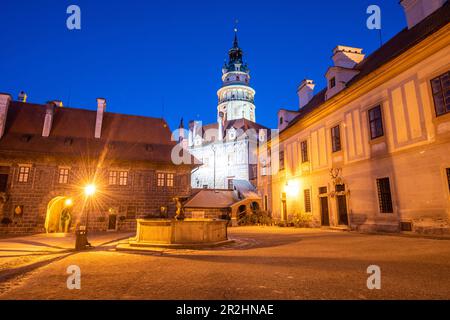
x=236, y=97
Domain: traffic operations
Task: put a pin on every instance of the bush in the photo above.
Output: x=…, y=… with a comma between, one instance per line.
x=256, y=218
x=301, y=220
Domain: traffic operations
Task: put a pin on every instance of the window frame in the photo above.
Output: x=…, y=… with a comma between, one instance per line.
x=23, y=177
x=336, y=141
x=375, y=121
x=170, y=180
x=160, y=179
x=440, y=93
x=281, y=160
x=385, y=208
x=332, y=82
x=112, y=177
x=63, y=175
x=447, y=170
x=307, y=200
x=304, y=151
x=123, y=178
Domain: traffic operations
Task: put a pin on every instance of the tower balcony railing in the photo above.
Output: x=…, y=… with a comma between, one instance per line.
x=251, y=100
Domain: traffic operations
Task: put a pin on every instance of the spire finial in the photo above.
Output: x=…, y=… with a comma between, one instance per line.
x=236, y=45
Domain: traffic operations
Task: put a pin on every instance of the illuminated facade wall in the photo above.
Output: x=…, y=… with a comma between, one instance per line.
x=412, y=151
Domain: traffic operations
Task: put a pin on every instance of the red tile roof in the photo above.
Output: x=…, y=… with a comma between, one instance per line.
x=124, y=137
x=400, y=43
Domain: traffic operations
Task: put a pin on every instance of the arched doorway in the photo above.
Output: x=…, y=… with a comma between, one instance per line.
x=254, y=207
x=242, y=211
x=59, y=215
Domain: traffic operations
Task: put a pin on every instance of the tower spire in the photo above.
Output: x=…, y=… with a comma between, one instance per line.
x=236, y=43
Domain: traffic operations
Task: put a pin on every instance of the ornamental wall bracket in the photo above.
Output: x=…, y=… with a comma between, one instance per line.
x=336, y=176
x=333, y=194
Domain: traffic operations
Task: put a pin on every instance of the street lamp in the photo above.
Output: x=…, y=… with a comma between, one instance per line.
x=81, y=236
x=68, y=202
x=89, y=190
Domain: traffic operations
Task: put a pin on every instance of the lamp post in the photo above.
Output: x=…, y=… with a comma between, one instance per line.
x=89, y=191
x=81, y=241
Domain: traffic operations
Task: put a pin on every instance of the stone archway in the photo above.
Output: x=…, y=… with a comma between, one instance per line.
x=59, y=215
x=254, y=206
x=242, y=211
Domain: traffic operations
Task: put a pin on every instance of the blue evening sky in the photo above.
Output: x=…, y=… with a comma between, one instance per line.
x=164, y=58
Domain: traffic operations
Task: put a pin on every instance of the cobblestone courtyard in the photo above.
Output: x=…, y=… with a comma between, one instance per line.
x=263, y=263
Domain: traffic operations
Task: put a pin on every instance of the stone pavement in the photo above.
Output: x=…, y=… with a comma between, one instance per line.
x=22, y=251
x=264, y=263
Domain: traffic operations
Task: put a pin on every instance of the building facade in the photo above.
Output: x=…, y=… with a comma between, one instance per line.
x=228, y=148
x=371, y=151
x=61, y=168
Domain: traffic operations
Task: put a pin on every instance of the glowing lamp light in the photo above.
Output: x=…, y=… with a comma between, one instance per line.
x=89, y=190
x=68, y=202
x=292, y=188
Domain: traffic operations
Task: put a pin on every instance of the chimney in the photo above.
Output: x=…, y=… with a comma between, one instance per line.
x=101, y=107
x=220, y=127
x=347, y=57
x=417, y=10
x=345, y=60
x=305, y=92
x=5, y=99
x=57, y=103
x=48, y=120
x=181, y=137
x=22, y=97
x=191, y=133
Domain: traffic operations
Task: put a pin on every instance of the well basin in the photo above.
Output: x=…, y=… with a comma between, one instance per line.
x=179, y=233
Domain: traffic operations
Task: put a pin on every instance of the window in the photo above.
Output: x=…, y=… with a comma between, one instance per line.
x=440, y=88
x=336, y=138
x=3, y=182
x=448, y=178
x=307, y=194
x=118, y=178
x=230, y=184
x=24, y=174
x=112, y=179
x=266, y=205
x=384, y=195
x=63, y=175
x=304, y=151
x=123, y=178
x=375, y=122
x=160, y=179
x=281, y=120
x=281, y=160
x=230, y=159
x=170, y=179
x=131, y=212
x=323, y=190
x=332, y=82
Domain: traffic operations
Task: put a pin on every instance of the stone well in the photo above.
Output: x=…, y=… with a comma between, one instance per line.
x=188, y=233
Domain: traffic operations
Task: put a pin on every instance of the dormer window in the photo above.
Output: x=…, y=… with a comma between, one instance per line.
x=332, y=83
x=281, y=120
